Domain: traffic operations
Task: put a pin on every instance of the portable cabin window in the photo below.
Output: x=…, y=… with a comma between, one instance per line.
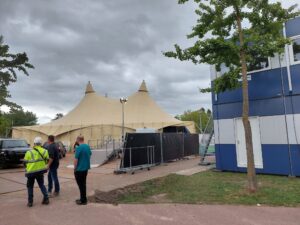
x=259, y=64
x=296, y=50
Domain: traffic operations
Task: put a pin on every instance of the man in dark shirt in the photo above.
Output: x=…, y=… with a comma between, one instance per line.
x=53, y=166
x=76, y=144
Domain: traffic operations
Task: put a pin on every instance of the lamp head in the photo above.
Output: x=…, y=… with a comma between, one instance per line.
x=123, y=100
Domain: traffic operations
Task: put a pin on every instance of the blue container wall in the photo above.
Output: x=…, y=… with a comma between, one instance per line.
x=268, y=91
x=275, y=159
x=265, y=95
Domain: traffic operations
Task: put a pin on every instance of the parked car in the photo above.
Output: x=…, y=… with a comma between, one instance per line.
x=12, y=151
x=62, y=149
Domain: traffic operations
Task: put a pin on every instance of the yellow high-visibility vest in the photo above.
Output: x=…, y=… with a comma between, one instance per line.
x=36, y=160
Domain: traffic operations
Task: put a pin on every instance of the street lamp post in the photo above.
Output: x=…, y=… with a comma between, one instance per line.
x=123, y=101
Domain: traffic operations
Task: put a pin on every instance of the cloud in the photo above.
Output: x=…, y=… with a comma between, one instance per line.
x=114, y=44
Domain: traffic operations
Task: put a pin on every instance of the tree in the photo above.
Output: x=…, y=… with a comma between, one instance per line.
x=9, y=65
x=19, y=117
x=4, y=125
x=195, y=116
x=235, y=33
x=15, y=117
x=58, y=116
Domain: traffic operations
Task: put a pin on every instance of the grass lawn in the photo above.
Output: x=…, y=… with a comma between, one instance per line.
x=214, y=188
x=211, y=149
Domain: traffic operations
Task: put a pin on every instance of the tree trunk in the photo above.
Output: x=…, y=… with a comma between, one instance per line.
x=252, y=182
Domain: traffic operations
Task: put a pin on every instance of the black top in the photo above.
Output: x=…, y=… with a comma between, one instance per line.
x=76, y=145
x=53, y=154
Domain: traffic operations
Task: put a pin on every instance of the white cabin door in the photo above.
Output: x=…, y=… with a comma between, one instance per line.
x=241, y=143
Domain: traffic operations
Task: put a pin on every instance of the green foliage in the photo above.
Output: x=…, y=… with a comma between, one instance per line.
x=15, y=117
x=4, y=125
x=195, y=116
x=9, y=65
x=217, y=35
x=58, y=116
x=21, y=117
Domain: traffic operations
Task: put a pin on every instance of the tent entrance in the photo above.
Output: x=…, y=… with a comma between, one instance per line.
x=176, y=129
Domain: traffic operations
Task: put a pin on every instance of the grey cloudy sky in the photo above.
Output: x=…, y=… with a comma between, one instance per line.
x=115, y=44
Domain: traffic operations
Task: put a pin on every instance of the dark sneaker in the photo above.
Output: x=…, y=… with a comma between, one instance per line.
x=45, y=201
x=29, y=204
x=79, y=202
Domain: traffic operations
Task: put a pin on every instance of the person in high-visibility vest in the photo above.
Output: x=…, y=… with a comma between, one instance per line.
x=36, y=161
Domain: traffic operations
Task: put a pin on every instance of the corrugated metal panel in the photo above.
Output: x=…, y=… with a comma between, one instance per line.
x=273, y=132
x=275, y=159
x=226, y=131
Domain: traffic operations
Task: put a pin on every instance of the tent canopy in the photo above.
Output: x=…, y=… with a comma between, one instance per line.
x=140, y=111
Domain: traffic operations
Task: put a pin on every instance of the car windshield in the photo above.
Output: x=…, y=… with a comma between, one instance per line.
x=14, y=144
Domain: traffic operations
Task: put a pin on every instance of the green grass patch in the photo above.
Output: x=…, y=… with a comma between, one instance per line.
x=211, y=149
x=215, y=188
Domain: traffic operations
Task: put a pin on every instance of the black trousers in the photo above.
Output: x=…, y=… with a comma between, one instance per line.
x=30, y=185
x=80, y=177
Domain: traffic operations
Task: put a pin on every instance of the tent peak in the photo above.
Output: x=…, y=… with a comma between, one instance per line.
x=143, y=87
x=89, y=88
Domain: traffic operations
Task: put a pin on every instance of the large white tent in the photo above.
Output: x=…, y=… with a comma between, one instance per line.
x=98, y=117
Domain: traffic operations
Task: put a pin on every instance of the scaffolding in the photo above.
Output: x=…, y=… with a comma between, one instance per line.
x=206, y=141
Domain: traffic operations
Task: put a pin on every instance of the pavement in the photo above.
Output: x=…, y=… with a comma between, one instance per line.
x=63, y=210
x=63, y=213
x=193, y=170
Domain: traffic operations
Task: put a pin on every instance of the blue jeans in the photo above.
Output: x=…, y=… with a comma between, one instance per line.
x=30, y=184
x=52, y=177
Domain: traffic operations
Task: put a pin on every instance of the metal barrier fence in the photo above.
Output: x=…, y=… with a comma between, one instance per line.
x=147, y=151
x=102, y=143
x=167, y=146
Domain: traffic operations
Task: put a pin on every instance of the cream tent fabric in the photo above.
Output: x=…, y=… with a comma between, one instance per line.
x=97, y=117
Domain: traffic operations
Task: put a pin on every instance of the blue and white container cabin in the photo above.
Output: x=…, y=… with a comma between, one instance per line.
x=274, y=98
